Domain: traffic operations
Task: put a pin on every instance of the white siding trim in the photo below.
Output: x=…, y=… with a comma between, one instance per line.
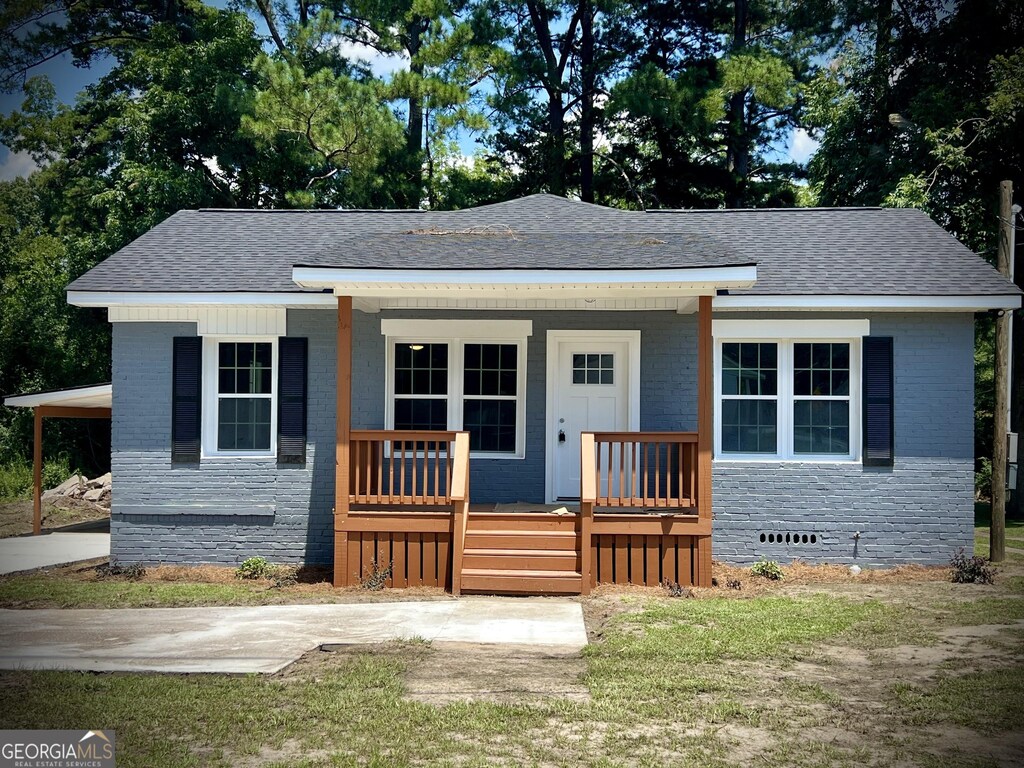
x=171, y=298
x=221, y=321
x=458, y=329
x=789, y=329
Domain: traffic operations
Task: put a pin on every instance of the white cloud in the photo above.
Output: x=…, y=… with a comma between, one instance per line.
x=16, y=164
x=380, y=64
x=802, y=145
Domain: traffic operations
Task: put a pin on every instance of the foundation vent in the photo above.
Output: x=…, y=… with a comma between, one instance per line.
x=789, y=538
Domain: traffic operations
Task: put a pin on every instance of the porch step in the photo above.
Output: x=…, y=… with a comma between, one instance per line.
x=521, y=559
x=520, y=539
x=512, y=582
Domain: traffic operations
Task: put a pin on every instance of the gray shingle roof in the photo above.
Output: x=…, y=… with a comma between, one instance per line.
x=840, y=251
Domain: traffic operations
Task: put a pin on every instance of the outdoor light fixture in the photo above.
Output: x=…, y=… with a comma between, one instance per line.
x=415, y=347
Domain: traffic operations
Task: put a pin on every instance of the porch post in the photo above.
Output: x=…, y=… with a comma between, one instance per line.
x=705, y=411
x=37, y=472
x=343, y=420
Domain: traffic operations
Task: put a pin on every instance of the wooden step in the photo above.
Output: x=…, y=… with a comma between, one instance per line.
x=514, y=539
x=512, y=582
x=524, y=521
x=521, y=559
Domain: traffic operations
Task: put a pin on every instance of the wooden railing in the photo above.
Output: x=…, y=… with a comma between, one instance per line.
x=400, y=467
x=655, y=470
x=460, y=500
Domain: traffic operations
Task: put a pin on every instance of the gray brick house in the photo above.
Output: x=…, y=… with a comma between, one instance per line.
x=542, y=395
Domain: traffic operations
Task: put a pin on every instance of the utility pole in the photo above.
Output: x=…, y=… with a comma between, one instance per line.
x=997, y=540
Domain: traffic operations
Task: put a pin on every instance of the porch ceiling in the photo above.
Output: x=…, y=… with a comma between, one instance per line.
x=526, y=289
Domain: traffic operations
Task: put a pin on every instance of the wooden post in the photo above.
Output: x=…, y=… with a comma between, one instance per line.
x=997, y=540
x=705, y=411
x=37, y=472
x=459, y=493
x=588, y=496
x=343, y=430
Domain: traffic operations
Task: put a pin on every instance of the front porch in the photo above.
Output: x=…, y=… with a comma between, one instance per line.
x=403, y=504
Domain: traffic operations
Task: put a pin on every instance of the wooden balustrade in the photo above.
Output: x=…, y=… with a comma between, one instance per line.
x=655, y=470
x=402, y=467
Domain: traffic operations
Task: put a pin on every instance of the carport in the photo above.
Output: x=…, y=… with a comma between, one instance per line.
x=88, y=402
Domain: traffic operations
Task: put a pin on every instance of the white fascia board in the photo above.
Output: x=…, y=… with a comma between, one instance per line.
x=346, y=280
x=142, y=298
x=99, y=396
x=863, y=303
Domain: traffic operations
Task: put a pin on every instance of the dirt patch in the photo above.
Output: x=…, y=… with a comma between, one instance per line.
x=16, y=516
x=443, y=673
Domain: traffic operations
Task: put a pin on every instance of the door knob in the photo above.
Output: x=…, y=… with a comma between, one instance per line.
x=561, y=435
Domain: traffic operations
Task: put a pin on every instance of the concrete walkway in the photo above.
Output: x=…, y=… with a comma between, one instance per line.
x=268, y=638
x=25, y=553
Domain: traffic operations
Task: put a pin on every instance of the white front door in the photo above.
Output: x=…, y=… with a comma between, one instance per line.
x=591, y=391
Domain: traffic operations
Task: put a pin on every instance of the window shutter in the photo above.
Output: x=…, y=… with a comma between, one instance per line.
x=879, y=443
x=186, y=399
x=291, y=400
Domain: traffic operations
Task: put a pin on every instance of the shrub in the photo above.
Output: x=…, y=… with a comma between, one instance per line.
x=970, y=570
x=767, y=569
x=376, y=577
x=675, y=589
x=130, y=572
x=254, y=568
x=56, y=471
x=734, y=584
x=15, y=480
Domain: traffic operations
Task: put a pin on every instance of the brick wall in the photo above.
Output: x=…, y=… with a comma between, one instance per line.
x=227, y=509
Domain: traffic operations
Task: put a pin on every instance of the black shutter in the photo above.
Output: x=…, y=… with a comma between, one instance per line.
x=186, y=399
x=291, y=400
x=879, y=443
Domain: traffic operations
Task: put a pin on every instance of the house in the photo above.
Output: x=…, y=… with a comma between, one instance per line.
x=542, y=395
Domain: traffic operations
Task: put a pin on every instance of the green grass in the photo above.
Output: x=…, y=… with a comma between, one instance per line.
x=674, y=682
x=987, y=702
x=45, y=590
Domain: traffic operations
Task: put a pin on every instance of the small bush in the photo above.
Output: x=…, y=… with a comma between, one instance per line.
x=376, y=577
x=130, y=572
x=675, y=589
x=733, y=584
x=970, y=570
x=254, y=568
x=56, y=471
x=767, y=569
x=15, y=480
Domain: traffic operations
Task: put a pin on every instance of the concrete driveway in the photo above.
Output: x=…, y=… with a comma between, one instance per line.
x=25, y=553
x=268, y=638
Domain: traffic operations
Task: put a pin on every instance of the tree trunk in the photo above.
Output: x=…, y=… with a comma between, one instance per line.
x=587, y=114
x=1015, y=508
x=737, y=149
x=414, y=128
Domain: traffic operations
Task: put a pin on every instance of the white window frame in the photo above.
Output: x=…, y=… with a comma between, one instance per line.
x=211, y=397
x=456, y=334
x=786, y=333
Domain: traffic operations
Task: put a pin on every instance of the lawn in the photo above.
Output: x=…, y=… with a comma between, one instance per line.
x=814, y=679
x=866, y=670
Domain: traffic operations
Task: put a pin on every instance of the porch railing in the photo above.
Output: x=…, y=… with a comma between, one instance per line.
x=401, y=467
x=643, y=469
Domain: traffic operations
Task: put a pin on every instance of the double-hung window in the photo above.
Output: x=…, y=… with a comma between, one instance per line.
x=459, y=375
x=239, y=411
x=782, y=393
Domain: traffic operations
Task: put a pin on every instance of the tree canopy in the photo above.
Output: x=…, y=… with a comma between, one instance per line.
x=453, y=103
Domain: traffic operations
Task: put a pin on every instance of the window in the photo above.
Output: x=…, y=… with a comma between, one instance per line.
x=421, y=386
x=489, y=396
x=593, y=369
x=787, y=398
x=239, y=408
x=750, y=386
x=821, y=398
x=472, y=378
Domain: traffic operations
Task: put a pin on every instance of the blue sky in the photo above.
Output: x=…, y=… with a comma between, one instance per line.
x=69, y=80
